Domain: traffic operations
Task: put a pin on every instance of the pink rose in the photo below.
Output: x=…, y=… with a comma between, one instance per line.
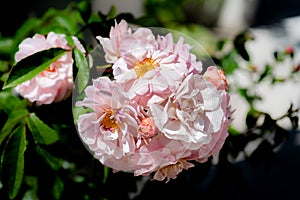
x=159, y=154
x=217, y=77
x=152, y=69
x=171, y=171
x=121, y=39
x=151, y=77
x=217, y=138
x=192, y=114
x=110, y=130
x=147, y=128
x=182, y=50
x=56, y=82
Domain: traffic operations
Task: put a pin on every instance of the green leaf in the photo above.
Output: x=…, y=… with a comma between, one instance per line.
x=64, y=20
x=229, y=63
x=67, y=21
x=12, y=161
x=233, y=131
x=31, y=194
x=112, y=12
x=83, y=70
x=85, y=9
x=239, y=44
x=266, y=72
x=15, y=118
x=58, y=188
x=4, y=66
x=6, y=45
x=10, y=103
x=32, y=65
x=27, y=28
x=41, y=132
x=77, y=111
x=53, y=162
x=106, y=171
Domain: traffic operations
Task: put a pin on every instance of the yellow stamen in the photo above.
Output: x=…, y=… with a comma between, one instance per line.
x=109, y=122
x=142, y=67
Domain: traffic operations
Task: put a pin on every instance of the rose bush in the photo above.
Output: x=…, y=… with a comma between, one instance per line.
x=145, y=103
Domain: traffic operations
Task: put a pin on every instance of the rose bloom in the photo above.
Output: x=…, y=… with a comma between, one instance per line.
x=56, y=82
x=192, y=113
x=163, y=157
x=146, y=66
x=192, y=126
x=109, y=131
x=189, y=126
x=160, y=113
x=121, y=39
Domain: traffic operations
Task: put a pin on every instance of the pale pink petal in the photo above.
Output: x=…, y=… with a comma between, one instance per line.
x=56, y=82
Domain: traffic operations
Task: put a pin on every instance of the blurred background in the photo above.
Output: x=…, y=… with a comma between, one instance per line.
x=274, y=25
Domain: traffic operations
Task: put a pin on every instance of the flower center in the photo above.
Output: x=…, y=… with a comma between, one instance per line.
x=142, y=67
x=109, y=122
x=147, y=128
x=48, y=69
x=51, y=69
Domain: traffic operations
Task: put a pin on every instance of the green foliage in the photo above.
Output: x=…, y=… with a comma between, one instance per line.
x=83, y=70
x=12, y=161
x=41, y=132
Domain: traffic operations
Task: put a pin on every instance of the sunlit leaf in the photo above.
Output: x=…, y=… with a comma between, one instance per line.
x=112, y=12
x=83, y=70
x=77, y=111
x=32, y=65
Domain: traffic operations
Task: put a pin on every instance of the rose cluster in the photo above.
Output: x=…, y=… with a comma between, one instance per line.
x=160, y=112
